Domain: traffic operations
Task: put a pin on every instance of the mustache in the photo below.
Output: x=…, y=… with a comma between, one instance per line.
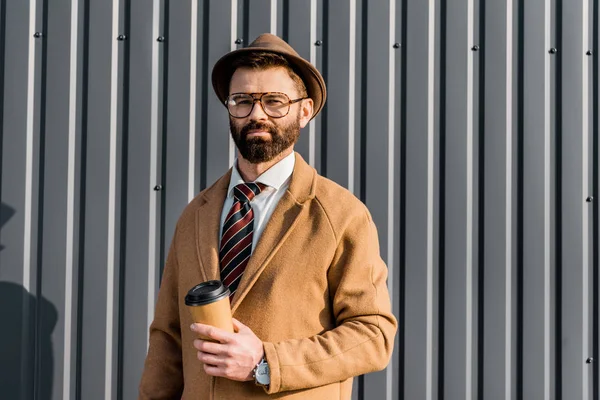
x=256, y=125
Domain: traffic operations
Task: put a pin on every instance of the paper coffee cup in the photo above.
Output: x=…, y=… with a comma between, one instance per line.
x=208, y=303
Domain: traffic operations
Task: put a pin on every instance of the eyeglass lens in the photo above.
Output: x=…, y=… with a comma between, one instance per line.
x=274, y=104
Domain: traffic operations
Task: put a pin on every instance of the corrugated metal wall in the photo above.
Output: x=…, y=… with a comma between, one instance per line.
x=469, y=128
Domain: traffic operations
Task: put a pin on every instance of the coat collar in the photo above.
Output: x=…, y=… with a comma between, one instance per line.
x=279, y=227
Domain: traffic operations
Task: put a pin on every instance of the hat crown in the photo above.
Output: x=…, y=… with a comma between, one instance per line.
x=275, y=43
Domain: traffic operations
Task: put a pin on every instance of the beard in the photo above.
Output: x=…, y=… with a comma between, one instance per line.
x=259, y=149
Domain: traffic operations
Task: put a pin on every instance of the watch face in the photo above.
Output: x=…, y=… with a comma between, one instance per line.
x=262, y=374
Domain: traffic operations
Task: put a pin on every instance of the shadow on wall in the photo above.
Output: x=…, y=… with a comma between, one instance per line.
x=17, y=344
x=22, y=346
x=5, y=213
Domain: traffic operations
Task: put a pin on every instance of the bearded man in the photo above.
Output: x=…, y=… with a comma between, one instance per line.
x=308, y=286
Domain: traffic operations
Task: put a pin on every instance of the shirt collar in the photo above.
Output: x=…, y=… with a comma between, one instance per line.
x=275, y=177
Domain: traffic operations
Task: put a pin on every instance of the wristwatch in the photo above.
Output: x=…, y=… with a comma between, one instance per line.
x=261, y=373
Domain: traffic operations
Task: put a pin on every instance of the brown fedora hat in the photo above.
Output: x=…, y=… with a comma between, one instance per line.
x=315, y=85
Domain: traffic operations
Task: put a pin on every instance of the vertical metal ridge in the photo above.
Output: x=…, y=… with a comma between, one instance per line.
x=26, y=348
x=594, y=191
x=204, y=94
x=325, y=71
x=41, y=179
x=233, y=46
x=164, y=142
x=443, y=199
x=547, y=194
x=584, y=186
x=112, y=188
x=520, y=250
x=123, y=163
x=352, y=93
x=28, y=210
x=403, y=191
x=70, y=199
x=508, y=199
x=313, y=61
x=430, y=194
x=558, y=378
x=152, y=209
x=469, y=206
x=85, y=24
x=273, y=21
x=391, y=159
x=192, y=122
x=481, y=200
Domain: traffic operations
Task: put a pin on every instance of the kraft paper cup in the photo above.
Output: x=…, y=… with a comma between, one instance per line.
x=209, y=304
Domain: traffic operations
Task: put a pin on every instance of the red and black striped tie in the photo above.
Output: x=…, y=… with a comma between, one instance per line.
x=236, y=238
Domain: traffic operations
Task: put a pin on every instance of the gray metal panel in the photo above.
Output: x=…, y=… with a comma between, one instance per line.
x=95, y=206
x=258, y=18
x=14, y=119
x=216, y=131
x=397, y=279
x=177, y=116
x=299, y=38
x=53, y=193
x=574, y=264
x=417, y=368
x=376, y=155
x=138, y=188
x=336, y=124
x=535, y=225
x=498, y=209
x=16, y=304
x=456, y=244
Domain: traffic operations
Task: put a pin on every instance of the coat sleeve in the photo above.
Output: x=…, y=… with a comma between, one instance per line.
x=363, y=338
x=162, y=377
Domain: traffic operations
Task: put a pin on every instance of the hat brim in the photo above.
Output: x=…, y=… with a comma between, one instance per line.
x=315, y=85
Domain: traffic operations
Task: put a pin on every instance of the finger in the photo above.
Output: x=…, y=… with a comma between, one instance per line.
x=213, y=371
x=209, y=347
x=212, y=332
x=211, y=359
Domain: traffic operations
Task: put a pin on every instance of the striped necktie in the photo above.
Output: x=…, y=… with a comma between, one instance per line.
x=236, y=238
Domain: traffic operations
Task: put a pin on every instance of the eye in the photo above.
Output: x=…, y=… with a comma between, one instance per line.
x=273, y=102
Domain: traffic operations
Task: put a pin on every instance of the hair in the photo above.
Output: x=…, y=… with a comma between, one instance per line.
x=264, y=60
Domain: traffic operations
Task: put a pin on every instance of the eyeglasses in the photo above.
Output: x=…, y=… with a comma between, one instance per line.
x=275, y=104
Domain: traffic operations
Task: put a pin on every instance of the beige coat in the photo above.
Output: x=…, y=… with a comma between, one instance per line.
x=314, y=292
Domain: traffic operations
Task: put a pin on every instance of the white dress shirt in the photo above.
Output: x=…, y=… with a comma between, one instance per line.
x=277, y=178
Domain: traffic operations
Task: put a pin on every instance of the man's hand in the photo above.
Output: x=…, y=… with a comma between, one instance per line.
x=236, y=354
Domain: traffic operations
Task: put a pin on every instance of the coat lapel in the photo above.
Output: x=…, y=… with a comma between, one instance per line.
x=208, y=221
x=279, y=227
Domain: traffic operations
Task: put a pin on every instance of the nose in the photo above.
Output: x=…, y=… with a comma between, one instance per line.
x=258, y=113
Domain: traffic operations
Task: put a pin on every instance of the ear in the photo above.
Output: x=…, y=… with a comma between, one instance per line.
x=306, y=111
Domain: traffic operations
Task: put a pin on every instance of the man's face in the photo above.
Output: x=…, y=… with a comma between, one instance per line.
x=258, y=137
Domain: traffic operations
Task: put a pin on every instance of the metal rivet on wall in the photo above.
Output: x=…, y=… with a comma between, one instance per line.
x=121, y=37
x=552, y=50
x=475, y=48
x=157, y=188
x=239, y=41
x=588, y=53
x=396, y=45
x=589, y=199
x=37, y=35
x=318, y=43
x=160, y=39
x=589, y=360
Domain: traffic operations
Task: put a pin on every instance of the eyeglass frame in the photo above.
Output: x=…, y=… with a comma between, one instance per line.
x=259, y=99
